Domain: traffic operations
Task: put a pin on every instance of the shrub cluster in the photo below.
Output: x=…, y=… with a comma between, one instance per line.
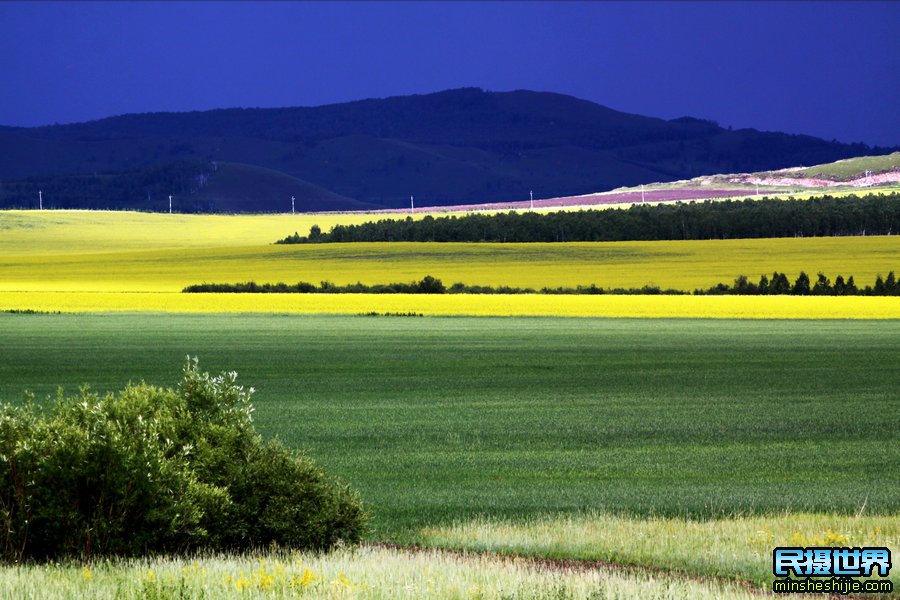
x=427, y=285
x=871, y=214
x=373, y=313
x=159, y=470
x=778, y=284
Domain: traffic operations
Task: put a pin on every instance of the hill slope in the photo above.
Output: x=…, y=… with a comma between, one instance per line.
x=849, y=176
x=235, y=187
x=452, y=147
x=859, y=172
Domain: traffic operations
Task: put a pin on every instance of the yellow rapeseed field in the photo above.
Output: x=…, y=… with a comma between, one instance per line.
x=677, y=264
x=743, y=307
x=31, y=232
x=95, y=260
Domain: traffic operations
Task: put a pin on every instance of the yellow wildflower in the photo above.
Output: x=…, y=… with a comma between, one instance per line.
x=833, y=538
x=241, y=583
x=306, y=579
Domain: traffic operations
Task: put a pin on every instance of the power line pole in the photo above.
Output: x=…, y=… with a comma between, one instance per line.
x=170, y=205
x=531, y=193
x=41, y=199
x=412, y=204
x=292, y=205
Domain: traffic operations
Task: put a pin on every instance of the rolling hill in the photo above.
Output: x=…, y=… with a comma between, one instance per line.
x=460, y=146
x=235, y=187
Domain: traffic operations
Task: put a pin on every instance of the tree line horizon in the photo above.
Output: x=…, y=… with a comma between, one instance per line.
x=819, y=216
x=779, y=284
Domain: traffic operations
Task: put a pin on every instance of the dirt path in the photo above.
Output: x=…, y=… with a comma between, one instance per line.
x=579, y=565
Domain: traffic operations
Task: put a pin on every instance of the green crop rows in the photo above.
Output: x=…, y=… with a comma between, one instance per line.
x=439, y=419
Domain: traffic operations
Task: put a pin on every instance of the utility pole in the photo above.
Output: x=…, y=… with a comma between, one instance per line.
x=531, y=193
x=292, y=205
x=412, y=204
x=170, y=205
x=41, y=199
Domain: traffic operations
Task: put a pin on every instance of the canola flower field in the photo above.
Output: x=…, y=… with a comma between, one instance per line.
x=53, y=232
x=108, y=261
x=677, y=264
x=537, y=305
x=92, y=231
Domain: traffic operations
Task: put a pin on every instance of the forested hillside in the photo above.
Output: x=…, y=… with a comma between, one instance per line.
x=453, y=147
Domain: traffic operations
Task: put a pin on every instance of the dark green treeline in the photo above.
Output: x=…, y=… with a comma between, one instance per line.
x=821, y=216
x=777, y=285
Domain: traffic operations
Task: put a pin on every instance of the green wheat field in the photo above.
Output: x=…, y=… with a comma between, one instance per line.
x=691, y=446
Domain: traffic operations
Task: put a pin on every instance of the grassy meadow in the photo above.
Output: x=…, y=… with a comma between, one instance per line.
x=367, y=573
x=851, y=168
x=735, y=547
x=668, y=444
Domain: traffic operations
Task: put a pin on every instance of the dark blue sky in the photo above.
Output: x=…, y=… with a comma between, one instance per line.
x=830, y=69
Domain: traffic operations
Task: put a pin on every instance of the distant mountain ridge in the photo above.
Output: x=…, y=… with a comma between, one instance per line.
x=452, y=147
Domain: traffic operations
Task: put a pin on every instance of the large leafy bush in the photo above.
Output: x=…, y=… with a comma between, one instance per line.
x=159, y=470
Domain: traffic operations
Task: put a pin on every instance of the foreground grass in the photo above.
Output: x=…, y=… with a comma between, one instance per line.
x=437, y=420
x=375, y=573
x=738, y=548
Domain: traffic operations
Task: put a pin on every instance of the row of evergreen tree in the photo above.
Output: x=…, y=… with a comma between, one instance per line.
x=871, y=214
x=777, y=285
x=803, y=286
